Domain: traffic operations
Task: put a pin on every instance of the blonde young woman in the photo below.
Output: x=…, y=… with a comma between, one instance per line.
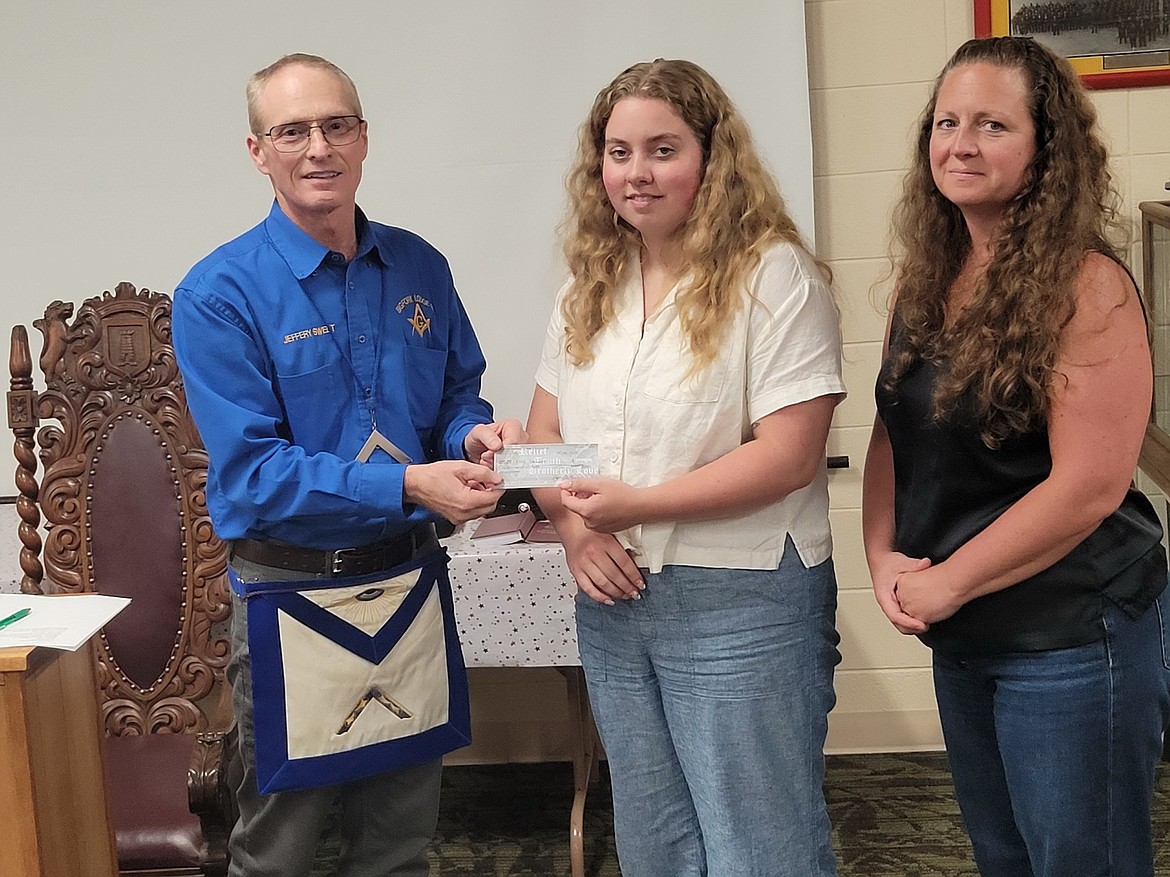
x=1000, y=521
x=696, y=342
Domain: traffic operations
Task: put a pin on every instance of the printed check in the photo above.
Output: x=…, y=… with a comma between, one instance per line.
x=545, y=465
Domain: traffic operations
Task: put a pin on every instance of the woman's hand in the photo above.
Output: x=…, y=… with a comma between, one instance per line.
x=928, y=594
x=886, y=577
x=603, y=570
x=605, y=505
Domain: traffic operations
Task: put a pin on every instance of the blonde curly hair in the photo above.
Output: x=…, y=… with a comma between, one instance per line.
x=1004, y=345
x=737, y=213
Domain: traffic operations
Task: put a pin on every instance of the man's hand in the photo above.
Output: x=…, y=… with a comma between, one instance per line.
x=485, y=439
x=457, y=490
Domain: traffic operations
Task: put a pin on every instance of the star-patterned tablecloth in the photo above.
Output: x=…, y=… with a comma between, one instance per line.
x=513, y=603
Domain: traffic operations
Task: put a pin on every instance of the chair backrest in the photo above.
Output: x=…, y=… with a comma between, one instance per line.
x=122, y=498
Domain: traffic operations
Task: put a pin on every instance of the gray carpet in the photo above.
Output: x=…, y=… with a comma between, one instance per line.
x=893, y=816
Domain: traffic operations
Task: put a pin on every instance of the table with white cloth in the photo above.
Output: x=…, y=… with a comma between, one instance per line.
x=514, y=608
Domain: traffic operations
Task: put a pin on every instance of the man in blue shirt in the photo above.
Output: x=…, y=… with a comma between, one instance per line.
x=334, y=377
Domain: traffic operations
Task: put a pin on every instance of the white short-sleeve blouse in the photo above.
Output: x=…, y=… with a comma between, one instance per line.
x=782, y=346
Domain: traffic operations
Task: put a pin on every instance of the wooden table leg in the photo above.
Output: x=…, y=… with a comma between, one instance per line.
x=584, y=762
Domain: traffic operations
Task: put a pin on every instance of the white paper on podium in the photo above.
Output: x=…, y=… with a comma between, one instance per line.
x=62, y=621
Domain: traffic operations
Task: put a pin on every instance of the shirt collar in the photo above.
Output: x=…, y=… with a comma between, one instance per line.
x=368, y=240
x=629, y=304
x=302, y=253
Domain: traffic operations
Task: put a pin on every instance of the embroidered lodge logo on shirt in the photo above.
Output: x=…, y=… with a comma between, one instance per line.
x=418, y=320
x=327, y=329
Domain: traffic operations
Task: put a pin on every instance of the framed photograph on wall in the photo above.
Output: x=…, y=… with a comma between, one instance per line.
x=1111, y=43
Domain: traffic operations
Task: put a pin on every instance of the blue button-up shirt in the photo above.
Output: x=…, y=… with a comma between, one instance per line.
x=289, y=354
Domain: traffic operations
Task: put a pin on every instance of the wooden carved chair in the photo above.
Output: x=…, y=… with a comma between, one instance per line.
x=122, y=498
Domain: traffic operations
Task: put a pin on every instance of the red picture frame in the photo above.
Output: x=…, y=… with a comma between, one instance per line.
x=1106, y=68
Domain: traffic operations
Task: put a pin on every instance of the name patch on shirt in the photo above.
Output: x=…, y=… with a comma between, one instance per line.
x=418, y=320
x=309, y=333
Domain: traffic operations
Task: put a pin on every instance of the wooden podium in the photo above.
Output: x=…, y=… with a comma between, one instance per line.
x=53, y=814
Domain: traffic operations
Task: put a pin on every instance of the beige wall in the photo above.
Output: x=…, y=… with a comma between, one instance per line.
x=870, y=66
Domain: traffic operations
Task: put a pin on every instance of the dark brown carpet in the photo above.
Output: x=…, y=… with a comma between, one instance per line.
x=893, y=816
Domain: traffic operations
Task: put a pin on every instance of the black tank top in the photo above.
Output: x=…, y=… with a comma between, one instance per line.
x=948, y=486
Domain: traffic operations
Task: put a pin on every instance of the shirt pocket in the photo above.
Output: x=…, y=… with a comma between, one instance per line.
x=665, y=378
x=314, y=409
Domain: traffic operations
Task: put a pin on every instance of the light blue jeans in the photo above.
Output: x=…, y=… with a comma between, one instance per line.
x=1053, y=753
x=712, y=695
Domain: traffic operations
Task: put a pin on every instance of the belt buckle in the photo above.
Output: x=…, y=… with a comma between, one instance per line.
x=337, y=564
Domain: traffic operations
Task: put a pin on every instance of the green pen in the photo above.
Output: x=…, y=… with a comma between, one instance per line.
x=14, y=617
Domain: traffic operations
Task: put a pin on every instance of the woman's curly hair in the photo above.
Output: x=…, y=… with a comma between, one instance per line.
x=1004, y=345
x=737, y=212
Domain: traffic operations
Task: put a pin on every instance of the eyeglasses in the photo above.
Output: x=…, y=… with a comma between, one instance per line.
x=294, y=136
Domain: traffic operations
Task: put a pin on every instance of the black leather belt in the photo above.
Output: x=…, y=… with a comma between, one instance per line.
x=374, y=557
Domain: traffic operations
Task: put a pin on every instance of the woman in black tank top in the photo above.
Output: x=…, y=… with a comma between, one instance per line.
x=1000, y=522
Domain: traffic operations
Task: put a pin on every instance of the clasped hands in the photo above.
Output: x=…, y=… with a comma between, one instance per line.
x=913, y=593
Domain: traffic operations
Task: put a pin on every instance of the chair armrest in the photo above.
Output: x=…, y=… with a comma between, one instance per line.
x=209, y=789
